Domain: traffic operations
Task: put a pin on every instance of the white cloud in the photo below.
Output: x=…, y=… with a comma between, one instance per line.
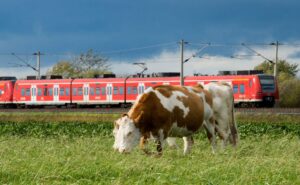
x=20, y=72
x=168, y=61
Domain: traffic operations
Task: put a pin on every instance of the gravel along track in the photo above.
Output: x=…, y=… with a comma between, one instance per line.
x=287, y=111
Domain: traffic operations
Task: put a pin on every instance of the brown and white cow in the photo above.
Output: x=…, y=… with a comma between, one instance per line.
x=165, y=111
x=223, y=107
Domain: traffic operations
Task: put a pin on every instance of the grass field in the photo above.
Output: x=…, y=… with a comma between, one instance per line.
x=49, y=149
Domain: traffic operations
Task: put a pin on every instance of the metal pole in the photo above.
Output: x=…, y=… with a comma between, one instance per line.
x=181, y=64
x=276, y=61
x=38, y=65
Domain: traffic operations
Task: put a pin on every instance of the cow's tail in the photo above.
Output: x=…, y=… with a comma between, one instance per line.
x=234, y=135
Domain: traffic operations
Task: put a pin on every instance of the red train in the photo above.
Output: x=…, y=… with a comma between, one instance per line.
x=255, y=90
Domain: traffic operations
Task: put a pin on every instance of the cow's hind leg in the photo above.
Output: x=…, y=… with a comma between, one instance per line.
x=210, y=131
x=188, y=142
x=222, y=131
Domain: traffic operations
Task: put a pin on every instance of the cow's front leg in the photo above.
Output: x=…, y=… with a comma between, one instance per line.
x=159, y=147
x=143, y=145
x=188, y=143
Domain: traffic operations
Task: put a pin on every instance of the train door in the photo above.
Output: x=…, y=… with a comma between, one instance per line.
x=109, y=93
x=86, y=93
x=141, y=88
x=33, y=94
x=55, y=93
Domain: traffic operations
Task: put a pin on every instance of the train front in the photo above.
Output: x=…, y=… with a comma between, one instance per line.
x=268, y=90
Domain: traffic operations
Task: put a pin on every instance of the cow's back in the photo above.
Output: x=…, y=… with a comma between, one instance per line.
x=168, y=108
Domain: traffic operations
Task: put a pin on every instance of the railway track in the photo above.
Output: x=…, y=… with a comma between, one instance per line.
x=286, y=111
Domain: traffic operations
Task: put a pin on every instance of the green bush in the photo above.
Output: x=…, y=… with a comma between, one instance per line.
x=289, y=93
x=80, y=129
x=55, y=129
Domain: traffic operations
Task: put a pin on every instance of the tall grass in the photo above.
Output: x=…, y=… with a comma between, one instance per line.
x=47, y=149
x=91, y=160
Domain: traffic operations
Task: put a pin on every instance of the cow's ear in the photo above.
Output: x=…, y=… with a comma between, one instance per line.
x=125, y=114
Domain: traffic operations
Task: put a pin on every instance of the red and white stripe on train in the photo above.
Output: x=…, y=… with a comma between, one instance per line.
x=249, y=90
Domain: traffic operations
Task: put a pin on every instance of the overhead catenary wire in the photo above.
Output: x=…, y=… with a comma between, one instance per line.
x=211, y=44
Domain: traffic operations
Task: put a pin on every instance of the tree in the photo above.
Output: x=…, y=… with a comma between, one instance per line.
x=289, y=93
x=85, y=65
x=89, y=64
x=63, y=68
x=285, y=70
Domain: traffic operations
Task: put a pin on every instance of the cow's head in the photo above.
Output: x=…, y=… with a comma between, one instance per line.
x=126, y=134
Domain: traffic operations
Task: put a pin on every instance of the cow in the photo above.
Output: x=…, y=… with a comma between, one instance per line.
x=223, y=108
x=165, y=111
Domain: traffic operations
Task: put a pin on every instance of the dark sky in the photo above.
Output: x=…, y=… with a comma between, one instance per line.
x=58, y=27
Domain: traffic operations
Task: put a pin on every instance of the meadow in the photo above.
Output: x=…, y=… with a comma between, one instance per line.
x=76, y=148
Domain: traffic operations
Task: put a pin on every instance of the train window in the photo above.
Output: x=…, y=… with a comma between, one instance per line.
x=235, y=89
x=67, y=91
x=50, y=91
x=242, y=88
x=80, y=91
x=23, y=92
x=134, y=90
x=98, y=91
x=39, y=92
x=61, y=91
x=45, y=91
x=121, y=90
x=116, y=90
x=103, y=91
x=128, y=90
x=74, y=91
x=1, y=92
x=27, y=93
x=92, y=91
x=250, y=83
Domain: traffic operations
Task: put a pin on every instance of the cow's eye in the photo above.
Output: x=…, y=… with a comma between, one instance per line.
x=129, y=133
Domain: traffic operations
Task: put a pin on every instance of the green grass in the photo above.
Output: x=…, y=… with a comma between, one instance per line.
x=91, y=160
x=44, y=150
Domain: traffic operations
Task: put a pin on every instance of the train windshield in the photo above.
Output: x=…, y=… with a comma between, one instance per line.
x=267, y=83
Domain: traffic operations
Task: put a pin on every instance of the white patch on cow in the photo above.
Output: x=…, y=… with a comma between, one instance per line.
x=148, y=90
x=127, y=136
x=207, y=108
x=115, y=132
x=176, y=131
x=172, y=102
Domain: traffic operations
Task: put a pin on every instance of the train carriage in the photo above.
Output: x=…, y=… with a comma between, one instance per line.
x=249, y=90
x=6, y=93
